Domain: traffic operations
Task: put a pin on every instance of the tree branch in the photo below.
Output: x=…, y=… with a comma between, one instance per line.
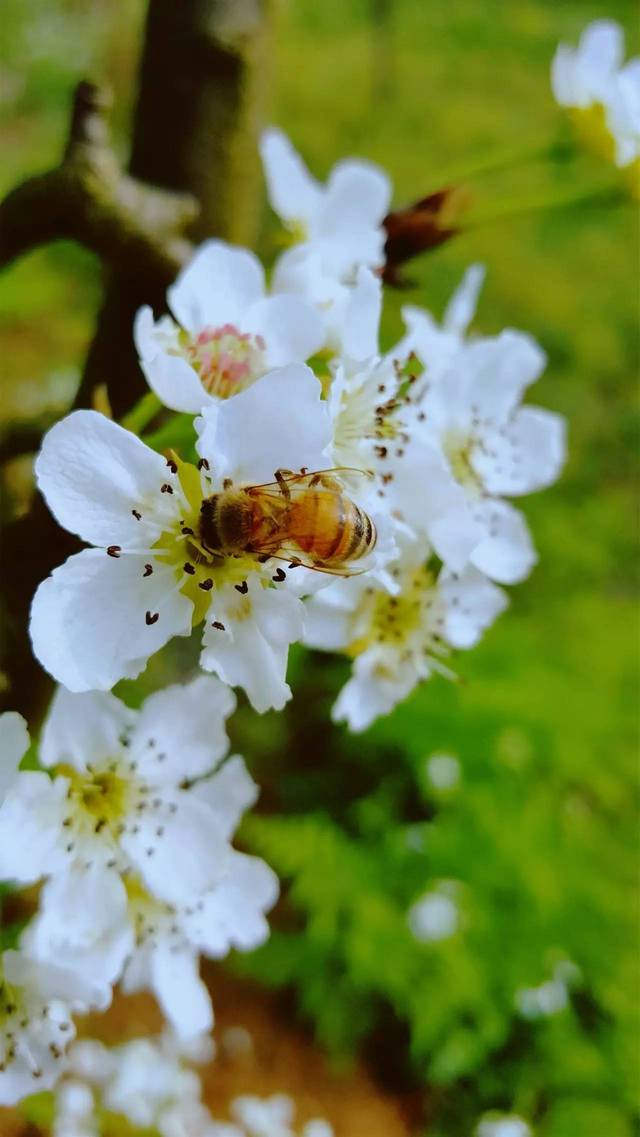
x=88, y=198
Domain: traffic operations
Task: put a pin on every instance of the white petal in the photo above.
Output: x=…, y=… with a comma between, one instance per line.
x=601, y=49
x=497, y=372
x=526, y=456
x=462, y=306
x=294, y=194
x=506, y=553
x=83, y=728
x=93, y=473
x=31, y=818
x=252, y=652
x=472, y=603
x=379, y=682
x=180, y=991
x=175, y=383
x=279, y=422
x=88, y=619
x=291, y=329
x=216, y=286
x=362, y=317
x=358, y=196
x=565, y=84
x=228, y=794
x=14, y=743
x=180, y=732
x=432, y=502
x=176, y=847
x=328, y=617
x=231, y=915
x=83, y=921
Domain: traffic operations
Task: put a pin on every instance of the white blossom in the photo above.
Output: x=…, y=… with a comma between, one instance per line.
x=602, y=94
x=229, y=332
x=14, y=743
x=35, y=1024
x=470, y=445
x=396, y=639
x=142, y=876
x=436, y=915
x=100, y=615
x=503, y=1125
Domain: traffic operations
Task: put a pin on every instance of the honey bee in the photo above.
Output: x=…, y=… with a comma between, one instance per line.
x=305, y=519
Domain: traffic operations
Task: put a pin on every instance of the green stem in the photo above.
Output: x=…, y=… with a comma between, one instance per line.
x=599, y=195
x=555, y=150
x=142, y=413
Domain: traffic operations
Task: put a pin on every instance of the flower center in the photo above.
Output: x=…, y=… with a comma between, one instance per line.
x=458, y=447
x=226, y=359
x=591, y=130
x=393, y=621
x=198, y=568
x=148, y=915
x=100, y=798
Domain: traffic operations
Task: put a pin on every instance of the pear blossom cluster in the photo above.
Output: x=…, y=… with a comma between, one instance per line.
x=124, y=819
x=601, y=92
x=152, y=1083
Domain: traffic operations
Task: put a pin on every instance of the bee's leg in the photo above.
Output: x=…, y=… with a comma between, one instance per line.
x=281, y=478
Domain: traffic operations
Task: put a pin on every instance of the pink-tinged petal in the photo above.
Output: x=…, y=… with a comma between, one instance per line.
x=93, y=474
x=180, y=732
x=281, y=421
x=291, y=329
x=216, y=286
x=81, y=728
x=506, y=552
x=294, y=194
x=93, y=621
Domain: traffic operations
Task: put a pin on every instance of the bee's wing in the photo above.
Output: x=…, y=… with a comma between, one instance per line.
x=294, y=558
x=289, y=483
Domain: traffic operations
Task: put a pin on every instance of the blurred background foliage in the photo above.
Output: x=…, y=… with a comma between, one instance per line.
x=535, y=836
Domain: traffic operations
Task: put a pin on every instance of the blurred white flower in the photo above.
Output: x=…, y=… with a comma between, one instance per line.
x=341, y=221
x=436, y=915
x=437, y=344
x=35, y=1024
x=264, y=1117
x=548, y=998
x=14, y=743
x=102, y=613
x=75, y=1112
x=507, y=1125
x=398, y=639
x=443, y=771
x=229, y=332
x=603, y=96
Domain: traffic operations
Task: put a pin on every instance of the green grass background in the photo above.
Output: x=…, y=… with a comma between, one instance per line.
x=541, y=830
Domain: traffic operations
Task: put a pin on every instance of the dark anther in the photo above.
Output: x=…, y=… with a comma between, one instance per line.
x=114, y=550
x=189, y=569
x=304, y=469
x=279, y=575
x=381, y=451
x=99, y=825
x=294, y=563
x=166, y=488
x=203, y=464
x=218, y=625
x=263, y=558
x=187, y=531
x=173, y=466
x=138, y=516
x=151, y=618
x=227, y=483
x=206, y=585
x=148, y=569
x=422, y=416
x=242, y=588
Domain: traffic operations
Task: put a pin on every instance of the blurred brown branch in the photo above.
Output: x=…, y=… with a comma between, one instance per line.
x=89, y=199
